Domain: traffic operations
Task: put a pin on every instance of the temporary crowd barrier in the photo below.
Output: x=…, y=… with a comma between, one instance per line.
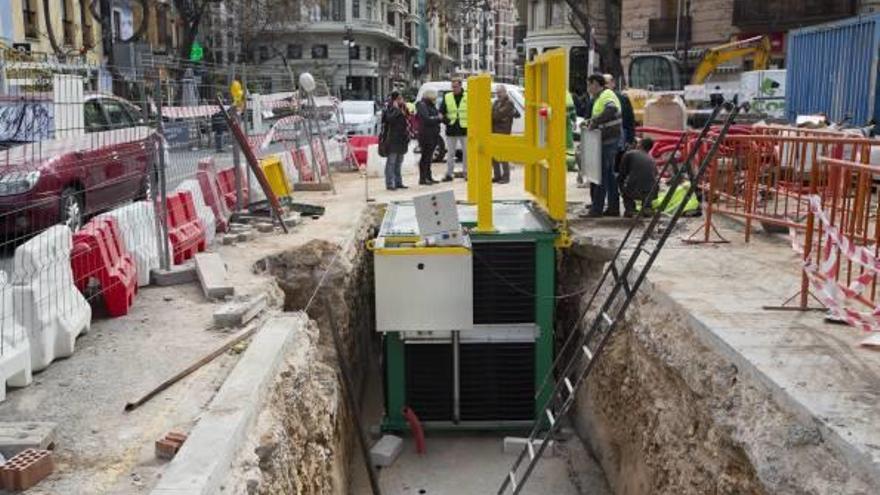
x=203, y=211
x=100, y=254
x=208, y=182
x=15, y=349
x=46, y=301
x=185, y=229
x=137, y=226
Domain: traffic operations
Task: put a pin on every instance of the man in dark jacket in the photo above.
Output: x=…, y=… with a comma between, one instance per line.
x=396, y=138
x=636, y=178
x=503, y=113
x=429, y=120
x=605, y=116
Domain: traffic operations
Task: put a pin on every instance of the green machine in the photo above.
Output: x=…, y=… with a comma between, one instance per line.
x=468, y=325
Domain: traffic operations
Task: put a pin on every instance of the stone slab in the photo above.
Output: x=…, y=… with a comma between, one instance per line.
x=176, y=275
x=18, y=436
x=386, y=450
x=237, y=313
x=212, y=275
x=203, y=462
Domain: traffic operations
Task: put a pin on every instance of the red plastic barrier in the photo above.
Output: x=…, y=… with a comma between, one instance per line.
x=99, y=253
x=302, y=165
x=359, y=145
x=185, y=230
x=226, y=183
x=207, y=176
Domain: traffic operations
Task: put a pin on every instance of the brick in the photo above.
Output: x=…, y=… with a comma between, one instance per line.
x=386, y=450
x=168, y=446
x=26, y=469
x=166, y=449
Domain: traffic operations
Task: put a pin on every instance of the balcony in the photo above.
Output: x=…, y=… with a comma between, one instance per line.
x=661, y=31
x=763, y=15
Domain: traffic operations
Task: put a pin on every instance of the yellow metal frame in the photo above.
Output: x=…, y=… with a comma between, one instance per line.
x=541, y=148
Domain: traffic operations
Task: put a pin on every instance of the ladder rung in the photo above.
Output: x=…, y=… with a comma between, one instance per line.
x=531, y=450
x=607, y=318
x=550, y=417
x=512, y=476
x=568, y=385
x=587, y=352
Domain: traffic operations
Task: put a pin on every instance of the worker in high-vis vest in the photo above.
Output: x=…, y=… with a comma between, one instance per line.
x=454, y=112
x=605, y=116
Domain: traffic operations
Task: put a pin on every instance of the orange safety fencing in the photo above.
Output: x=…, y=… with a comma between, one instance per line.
x=769, y=176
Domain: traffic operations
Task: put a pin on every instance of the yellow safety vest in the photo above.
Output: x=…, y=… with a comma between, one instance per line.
x=604, y=97
x=454, y=112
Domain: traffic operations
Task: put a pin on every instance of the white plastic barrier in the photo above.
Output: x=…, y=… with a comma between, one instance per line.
x=137, y=226
x=203, y=211
x=45, y=301
x=15, y=350
x=375, y=163
x=334, y=150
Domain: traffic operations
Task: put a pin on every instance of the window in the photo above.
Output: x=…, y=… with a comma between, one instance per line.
x=117, y=25
x=93, y=117
x=355, y=9
x=319, y=51
x=264, y=53
x=354, y=52
x=369, y=53
x=294, y=52
x=338, y=10
x=162, y=24
x=371, y=4
x=116, y=113
x=86, y=22
x=29, y=16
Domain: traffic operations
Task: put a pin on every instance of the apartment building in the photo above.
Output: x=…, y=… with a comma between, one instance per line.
x=492, y=50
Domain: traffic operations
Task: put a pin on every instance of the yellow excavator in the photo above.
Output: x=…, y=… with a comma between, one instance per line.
x=662, y=72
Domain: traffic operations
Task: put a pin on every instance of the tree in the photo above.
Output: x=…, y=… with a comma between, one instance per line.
x=580, y=20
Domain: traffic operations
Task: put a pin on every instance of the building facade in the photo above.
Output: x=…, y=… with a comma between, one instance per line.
x=76, y=33
x=362, y=49
x=492, y=50
x=548, y=26
x=686, y=27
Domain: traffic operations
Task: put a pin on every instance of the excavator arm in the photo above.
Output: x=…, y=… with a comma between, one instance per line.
x=759, y=47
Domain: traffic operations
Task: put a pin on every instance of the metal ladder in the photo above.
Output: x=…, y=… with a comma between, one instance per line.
x=581, y=352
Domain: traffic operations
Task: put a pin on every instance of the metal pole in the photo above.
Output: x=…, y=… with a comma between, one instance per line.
x=677, y=26
x=236, y=169
x=165, y=261
x=456, y=378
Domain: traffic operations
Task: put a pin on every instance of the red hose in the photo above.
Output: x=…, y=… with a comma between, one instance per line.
x=416, y=427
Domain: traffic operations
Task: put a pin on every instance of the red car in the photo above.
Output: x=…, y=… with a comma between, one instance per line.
x=67, y=179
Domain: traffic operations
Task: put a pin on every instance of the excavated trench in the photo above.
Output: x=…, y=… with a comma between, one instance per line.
x=662, y=413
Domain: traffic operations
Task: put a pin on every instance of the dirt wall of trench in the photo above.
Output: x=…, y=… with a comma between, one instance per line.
x=304, y=438
x=666, y=414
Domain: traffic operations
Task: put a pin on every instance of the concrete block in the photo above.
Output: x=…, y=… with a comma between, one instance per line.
x=292, y=221
x=229, y=239
x=212, y=275
x=204, y=460
x=386, y=450
x=515, y=445
x=265, y=228
x=176, y=275
x=245, y=236
x=237, y=313
x=18, y=436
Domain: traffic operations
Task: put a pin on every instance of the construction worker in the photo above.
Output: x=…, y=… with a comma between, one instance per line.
x=626, y=113
x=636, y=178
x=503, y=114
x=605, y=116
x=454, y=111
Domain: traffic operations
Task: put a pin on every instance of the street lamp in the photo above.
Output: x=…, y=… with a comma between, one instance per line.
x=349, y=43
